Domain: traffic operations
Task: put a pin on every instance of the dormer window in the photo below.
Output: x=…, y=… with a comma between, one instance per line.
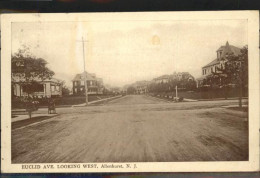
x=220, y=53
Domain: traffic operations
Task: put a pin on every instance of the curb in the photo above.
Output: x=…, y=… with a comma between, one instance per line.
x=96, y=101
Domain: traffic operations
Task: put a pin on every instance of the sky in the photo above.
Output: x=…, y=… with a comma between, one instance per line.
x=122, y=52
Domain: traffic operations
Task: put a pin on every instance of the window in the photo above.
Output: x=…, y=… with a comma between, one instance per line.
x=219, y=54
x=82, y=83
x=20, y=63
x=75, y=90
x=52, y=88
x=90, y=83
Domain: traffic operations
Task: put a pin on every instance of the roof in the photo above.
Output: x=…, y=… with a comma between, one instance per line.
x=227, y=49
x=88, y=75
x=214, y=62
x=22, y=79
x=162, y=77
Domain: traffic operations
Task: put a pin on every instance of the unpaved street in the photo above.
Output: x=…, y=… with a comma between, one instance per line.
x=136, y=128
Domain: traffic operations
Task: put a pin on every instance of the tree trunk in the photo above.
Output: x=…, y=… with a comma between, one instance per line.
x=240, y=96
x=240, y=102
x=226, y=92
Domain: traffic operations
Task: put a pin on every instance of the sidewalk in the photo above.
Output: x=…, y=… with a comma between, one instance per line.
x=171, y=100
x=25, y=117
x=214, y=99
x=235, y=106
x=96, y=101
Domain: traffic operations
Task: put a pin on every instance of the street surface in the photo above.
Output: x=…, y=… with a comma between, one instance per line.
x=136, y=128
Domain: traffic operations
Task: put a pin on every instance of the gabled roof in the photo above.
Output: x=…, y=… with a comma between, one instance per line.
x=89, y=76
x=227, y=49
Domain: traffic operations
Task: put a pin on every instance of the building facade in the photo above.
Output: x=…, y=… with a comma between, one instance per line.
x=94, y=84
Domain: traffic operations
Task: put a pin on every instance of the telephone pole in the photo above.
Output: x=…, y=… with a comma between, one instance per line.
x=85, y=73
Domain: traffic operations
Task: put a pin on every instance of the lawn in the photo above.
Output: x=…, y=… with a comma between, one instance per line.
x=200, y=95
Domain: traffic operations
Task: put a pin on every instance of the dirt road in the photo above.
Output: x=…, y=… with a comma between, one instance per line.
x=136, y=128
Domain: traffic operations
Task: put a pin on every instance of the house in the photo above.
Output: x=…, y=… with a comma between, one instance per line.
x=219, y=62
x=28, y=83
x=141, y=87
x=162, y=79
x=94, y=84
x=45, y=88
x=181, y=75
x=34, y=86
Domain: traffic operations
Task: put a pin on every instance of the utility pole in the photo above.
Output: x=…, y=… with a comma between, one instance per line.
x=176, y=88
x=85, y=73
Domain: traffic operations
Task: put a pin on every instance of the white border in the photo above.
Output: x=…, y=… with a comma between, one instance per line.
x=253, y=44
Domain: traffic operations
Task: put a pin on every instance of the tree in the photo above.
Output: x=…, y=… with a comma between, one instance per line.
x=65, y=91
x=234, y=72
x=29, y=70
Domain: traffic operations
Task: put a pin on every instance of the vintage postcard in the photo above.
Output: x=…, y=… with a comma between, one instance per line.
x=130, y=92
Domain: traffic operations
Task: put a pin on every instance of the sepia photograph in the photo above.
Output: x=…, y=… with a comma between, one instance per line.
x=87, y=88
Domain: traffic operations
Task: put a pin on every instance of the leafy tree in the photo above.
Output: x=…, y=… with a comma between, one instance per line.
x=65, y=91
x=29, y=70
x=186, y=82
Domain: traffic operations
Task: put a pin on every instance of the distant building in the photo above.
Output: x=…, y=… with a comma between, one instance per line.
x=94, y=84
x=181, y=76
x=141, y=87
x=162, y=79
x=219, y=62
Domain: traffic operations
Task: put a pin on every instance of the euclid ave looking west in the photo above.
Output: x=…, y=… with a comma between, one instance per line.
x=142, y=92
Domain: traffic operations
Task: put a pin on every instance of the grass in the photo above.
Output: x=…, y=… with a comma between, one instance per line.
x=200, y=95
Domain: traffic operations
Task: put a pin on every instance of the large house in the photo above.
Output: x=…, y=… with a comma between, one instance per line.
x=45, y=88
x=35, y=87
x=94, y=84
x=219, y=62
